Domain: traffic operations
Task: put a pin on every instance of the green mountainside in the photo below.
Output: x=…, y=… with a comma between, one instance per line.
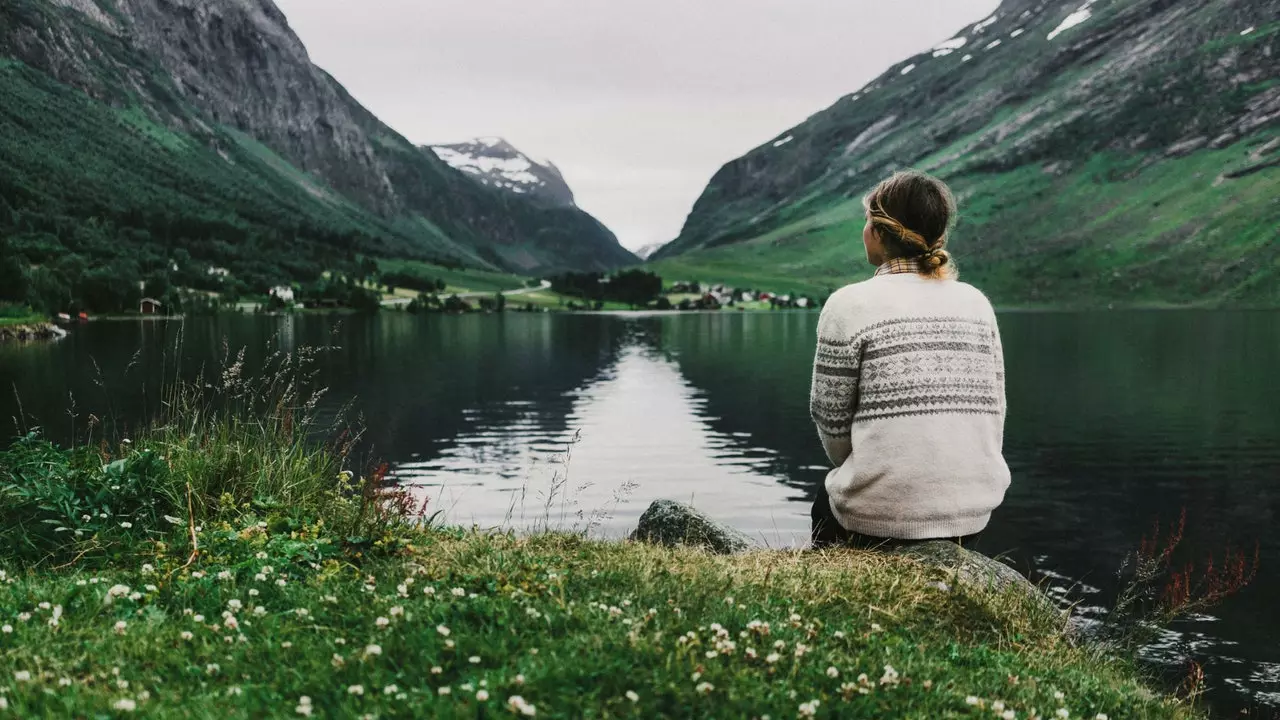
x=1103, y=151
x=161, y=138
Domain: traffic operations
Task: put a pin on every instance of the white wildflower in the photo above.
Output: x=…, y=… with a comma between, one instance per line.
x=517, y=703
x=832, y=672
x=125, y=705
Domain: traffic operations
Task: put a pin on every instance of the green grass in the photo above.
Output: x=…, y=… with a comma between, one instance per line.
x=22, y=320
x=457, y=624
x=14, y=315
x=457, y=279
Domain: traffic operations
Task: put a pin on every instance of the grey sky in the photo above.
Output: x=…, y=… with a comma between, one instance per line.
x=638, y=102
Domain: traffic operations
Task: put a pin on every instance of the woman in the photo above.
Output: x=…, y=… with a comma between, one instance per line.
x=908, y=384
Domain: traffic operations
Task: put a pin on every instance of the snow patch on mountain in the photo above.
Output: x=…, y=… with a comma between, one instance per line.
x=1081, y=14
x=495, y=163
x=950, y=46
x=647, y=251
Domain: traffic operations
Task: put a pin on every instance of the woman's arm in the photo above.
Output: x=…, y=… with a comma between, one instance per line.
x=998, y=350
x=833, y=395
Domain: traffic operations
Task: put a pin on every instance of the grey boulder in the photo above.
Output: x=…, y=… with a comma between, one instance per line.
x=667, y=522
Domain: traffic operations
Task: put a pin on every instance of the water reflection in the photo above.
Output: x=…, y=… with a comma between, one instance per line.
x=634, y=434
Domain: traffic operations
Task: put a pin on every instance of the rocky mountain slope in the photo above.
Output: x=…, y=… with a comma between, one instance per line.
x=494, y=162
x=1103, y=151
x=202, y=125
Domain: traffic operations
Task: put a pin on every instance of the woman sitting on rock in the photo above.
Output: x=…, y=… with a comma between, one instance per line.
x=908, y=384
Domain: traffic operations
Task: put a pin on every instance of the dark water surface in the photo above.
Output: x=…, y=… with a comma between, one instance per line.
x=1116, y=421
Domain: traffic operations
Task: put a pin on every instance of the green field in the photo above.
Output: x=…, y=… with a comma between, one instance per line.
x=457, y=280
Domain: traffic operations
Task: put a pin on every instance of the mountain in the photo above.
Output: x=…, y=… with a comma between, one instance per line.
x=494, y=162
x=143, y=134
x=648, y=251
x=1103, y=151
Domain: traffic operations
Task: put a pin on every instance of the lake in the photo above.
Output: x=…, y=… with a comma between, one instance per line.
x=1117, y=421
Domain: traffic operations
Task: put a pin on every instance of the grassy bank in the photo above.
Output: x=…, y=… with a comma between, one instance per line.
x=220, y=565
x=19, y=315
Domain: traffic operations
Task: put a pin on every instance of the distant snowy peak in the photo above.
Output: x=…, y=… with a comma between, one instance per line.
x=644, y=252
x=496, y=163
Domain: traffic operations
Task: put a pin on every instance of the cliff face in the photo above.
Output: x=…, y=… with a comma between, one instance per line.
x=203, y=66
x=1049, y=117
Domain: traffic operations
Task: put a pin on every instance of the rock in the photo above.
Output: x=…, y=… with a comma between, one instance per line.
x=673, y=524
x=973, y=570
x=36, y=331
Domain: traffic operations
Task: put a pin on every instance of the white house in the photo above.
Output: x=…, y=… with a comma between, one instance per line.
x=283, y=292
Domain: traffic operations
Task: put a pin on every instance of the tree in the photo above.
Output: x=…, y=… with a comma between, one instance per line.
x=13, y=278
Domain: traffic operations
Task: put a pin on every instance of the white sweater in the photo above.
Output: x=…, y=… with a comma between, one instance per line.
x=908, y=397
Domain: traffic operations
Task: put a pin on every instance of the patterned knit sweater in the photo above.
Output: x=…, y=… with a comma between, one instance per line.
x=908, y=397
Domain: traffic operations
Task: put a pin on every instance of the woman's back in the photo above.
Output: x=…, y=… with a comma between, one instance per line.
x=908, y=398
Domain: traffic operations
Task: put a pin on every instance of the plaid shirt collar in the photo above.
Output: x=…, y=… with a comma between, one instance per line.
x=899, y=266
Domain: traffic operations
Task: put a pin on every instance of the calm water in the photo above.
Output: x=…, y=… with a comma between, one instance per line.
x=1116, y=420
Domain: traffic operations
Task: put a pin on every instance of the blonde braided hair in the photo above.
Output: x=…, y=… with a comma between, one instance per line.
x=918, y=194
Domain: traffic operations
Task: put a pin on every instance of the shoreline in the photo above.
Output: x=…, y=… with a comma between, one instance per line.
x=28, y=332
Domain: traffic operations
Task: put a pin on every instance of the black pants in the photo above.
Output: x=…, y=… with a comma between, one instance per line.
x=827, y=531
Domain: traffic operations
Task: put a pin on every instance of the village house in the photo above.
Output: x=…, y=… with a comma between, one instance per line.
x=149, y=306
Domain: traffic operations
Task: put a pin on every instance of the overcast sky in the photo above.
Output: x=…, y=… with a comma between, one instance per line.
x=638, y=102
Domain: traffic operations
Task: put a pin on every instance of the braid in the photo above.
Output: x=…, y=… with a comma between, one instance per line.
x=933, y=259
